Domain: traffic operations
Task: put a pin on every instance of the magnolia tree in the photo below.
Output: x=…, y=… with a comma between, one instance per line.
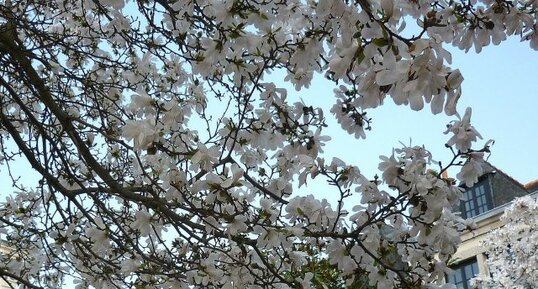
x=168, y=160
x=511, y=250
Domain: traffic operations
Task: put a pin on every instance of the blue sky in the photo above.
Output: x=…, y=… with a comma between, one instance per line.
x=500, y=86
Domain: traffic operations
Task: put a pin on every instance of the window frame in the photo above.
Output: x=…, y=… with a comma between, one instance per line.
x=477, y=200
x=460, y=270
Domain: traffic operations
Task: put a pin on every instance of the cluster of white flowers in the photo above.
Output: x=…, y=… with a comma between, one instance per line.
x=168, y=160
x=511, y=249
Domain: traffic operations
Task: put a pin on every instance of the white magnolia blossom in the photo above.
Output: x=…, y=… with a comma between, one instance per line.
x=464, y=134
x=142, y=223
x=168, y=158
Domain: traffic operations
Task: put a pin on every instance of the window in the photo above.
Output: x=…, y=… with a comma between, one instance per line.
x=476, y=200
x=462, y=274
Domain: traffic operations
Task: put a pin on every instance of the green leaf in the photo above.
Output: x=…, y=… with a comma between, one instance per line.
x=380, y=42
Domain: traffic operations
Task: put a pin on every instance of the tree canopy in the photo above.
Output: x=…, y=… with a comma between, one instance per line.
x=168, y=160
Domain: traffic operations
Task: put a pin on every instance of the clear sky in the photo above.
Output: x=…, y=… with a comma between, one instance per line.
x=500, y=86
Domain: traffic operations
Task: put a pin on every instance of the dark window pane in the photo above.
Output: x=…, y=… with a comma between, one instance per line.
x=469, y=271
x=480, y=190
x=458, y=278
x=462, y=274
x=483, y=199
x=476, y=200
x=474, y=265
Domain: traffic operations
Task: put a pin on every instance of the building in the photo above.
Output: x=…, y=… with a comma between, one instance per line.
x=485, y=203
x=3, y=282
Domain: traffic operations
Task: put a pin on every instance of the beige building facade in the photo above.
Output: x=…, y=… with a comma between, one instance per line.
x=470, y=250
x=3, y=282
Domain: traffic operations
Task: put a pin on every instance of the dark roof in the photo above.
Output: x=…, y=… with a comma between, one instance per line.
x=503, y=188
x=493, y=169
